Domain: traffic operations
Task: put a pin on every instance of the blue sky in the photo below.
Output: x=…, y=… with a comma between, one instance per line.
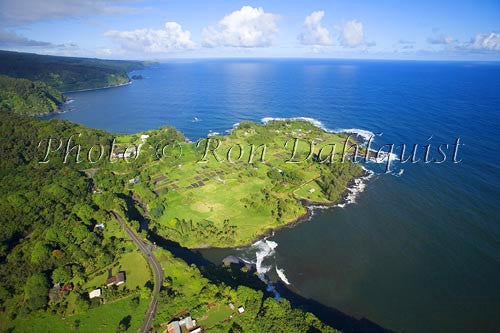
x=145, y=29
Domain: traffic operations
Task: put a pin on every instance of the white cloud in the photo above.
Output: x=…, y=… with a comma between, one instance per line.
x=486, y=42
x=313, y=33
x=247, y=27
x=26, y=11
x=104, y=51
x=171, y=38
x=352, y=34
x=441, y=40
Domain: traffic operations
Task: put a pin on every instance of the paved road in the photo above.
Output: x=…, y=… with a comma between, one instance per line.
x=146, y=250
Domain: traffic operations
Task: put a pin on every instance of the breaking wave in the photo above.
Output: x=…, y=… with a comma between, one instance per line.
x=264, y=249
x=359, y=185
x=282, y=276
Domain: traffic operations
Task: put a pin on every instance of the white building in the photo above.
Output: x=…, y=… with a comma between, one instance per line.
x=95, y=293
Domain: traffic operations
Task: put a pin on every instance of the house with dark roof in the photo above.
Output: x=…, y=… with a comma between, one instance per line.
x=116, y=280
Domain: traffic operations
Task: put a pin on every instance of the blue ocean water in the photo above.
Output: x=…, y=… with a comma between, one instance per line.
x=416, y=252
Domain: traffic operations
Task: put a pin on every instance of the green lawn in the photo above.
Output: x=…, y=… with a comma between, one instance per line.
x=133, y=264
x=104, y=318
x=215, y=315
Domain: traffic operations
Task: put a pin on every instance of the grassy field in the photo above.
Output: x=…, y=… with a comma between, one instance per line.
x=132, y=263
x=104, y=318
x=228, y=190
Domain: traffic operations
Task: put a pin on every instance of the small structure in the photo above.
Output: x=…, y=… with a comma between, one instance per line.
x=231, y=306
x=95, y=293
x=134, y=180
x=144, y=137
x=241, y=309
x=311, y=190
x=174, y=327
x=198, y=330
x=100, y=226
x=116, y=280
x=188, y=322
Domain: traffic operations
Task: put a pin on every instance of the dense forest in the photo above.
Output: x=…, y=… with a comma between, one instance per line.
x=67, y=73
x=23, y=96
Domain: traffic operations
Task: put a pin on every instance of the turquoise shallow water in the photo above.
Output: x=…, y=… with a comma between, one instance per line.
x=415, y=252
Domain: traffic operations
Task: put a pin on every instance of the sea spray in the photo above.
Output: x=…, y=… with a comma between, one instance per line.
x=362, y=133
x=359, y=185
x=282, y=276
x=264, y=249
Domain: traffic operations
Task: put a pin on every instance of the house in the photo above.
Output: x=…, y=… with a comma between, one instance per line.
x=174, y=327
x=116, y=280
x=100, y=226
x=231, y=306
x=95, y=293
x=241, y=309
x=311, y=190
x=144, y=137
x=198, y=330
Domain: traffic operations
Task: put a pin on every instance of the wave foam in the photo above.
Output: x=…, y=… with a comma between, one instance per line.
x=358, y=187
x=264, y=248
x=362, y=133
x=282, y=276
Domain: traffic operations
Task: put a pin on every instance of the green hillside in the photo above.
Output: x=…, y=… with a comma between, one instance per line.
x=67, y=73
x=23, y=96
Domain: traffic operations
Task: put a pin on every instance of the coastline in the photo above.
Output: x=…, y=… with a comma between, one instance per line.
x=60, y=111
x=99, y=88
x=309, y=206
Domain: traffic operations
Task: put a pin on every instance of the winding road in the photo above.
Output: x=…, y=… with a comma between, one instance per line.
x=147, y=251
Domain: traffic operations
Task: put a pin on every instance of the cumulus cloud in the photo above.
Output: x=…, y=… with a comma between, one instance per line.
x=313, y=33
x=171, y=38
x=352, y=34
x=247, y=27
x=27, y=11
x=485, y=42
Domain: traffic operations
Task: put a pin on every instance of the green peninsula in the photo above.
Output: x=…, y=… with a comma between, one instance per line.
x=229, y=190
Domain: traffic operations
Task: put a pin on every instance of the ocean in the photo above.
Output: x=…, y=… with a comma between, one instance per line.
x=418, y=248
